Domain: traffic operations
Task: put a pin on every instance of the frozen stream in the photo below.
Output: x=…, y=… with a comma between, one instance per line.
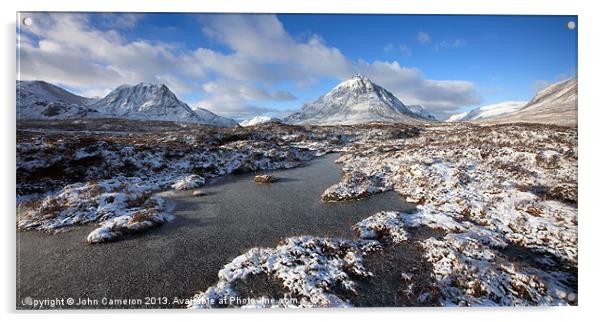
x=183, y=257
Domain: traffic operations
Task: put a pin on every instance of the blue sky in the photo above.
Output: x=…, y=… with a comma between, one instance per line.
x=246, y=65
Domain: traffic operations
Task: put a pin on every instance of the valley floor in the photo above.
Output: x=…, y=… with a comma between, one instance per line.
x=493, y=219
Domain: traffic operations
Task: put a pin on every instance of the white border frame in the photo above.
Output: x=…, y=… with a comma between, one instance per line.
x=589, y=158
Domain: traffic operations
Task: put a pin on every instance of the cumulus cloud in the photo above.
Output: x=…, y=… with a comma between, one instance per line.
x=71, y=50
x=410, y=86
x=423, y=37
x=263, y=39
x=119, y=20
x=236, y=99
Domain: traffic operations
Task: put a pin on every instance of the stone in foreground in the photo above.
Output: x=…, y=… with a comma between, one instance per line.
x=264, y=178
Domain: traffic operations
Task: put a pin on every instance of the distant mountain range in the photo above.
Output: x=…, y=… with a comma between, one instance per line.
x=357, y=100
x=555, y=104
x=487, y=111
x=144, y=101
x=38, y=99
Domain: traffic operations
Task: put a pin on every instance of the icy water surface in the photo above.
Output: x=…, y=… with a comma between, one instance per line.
x=182, y=258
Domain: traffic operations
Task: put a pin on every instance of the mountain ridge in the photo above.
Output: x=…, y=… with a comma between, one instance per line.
x=555, y=104
x=39, y=99
x=143, y=101
x=356, y=100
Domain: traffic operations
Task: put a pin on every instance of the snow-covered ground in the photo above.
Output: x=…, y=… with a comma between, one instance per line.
x=492, y=189
x=502, y=198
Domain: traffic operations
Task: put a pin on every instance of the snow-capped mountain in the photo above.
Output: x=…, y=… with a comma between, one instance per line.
x=39, y=100
x=261, y=119
x=419, y=110
x=488, y=111
x=357, y=100
x=146, y=101
x=555, y=104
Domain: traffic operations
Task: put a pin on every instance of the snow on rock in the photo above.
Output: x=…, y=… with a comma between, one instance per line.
x=309, y=267
x=137, y=222
x=261, y=119
x=472, y=273
x=41, y=100
x=145, y=101
x=189, y=182
x=357, y=185
x=122, y=206
x=380, y=225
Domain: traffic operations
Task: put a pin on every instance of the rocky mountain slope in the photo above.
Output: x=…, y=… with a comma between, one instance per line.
x=38, y=99
x=555, y=104
x=419, y=110
x=357, y=100
x=144, y=101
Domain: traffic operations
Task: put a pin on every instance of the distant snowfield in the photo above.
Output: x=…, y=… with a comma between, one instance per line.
x=555, y=104
x=488, y=111
x=262, y=119
x=456, y=117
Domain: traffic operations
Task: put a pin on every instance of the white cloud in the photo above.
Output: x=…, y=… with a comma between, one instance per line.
x=236, y=99
x=262, y=39
x=410, y=86
x=444, y=44
x=423, y=37
x=95, y=92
